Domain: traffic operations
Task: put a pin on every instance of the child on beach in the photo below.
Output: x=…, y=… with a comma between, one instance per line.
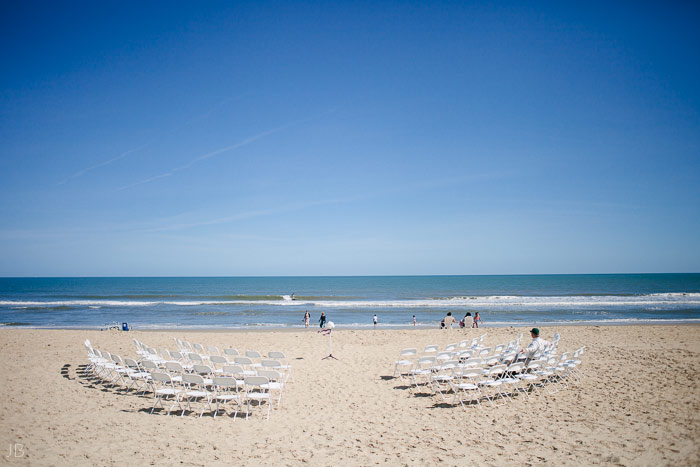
x=307, y=317
x=477, y=320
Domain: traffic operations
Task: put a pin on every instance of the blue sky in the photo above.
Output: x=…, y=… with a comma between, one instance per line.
x=349, y=138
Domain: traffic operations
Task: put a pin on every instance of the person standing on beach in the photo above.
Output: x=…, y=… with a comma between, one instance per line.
x=375, y=321
x=477, y=320
x=414, y=321
x=322, y=320
x=307, y=317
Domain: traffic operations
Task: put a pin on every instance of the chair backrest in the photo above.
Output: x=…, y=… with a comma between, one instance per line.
x=497, y=370
x=231, y=352
x=202, y=369
x=271, y=364
x=242, y=361
x=425, y=361
x=233, y=370
x=492, y=360
x=149, y=365
x=199, y=348
x=471, y=373
x=448, y=365
x=443, y=355
x=270, y=375
x=463, y=344
x=509, y=356
x=499, y=348
x=404, y=352
x=191, y=378
x=473, y=362
x=161, y=377
x=450, y=347
x=195, y=357
x=430, y=349
x=276, y=355
x=255, y=381
x=517, y=366
x=224, y=382
x=213, y=350
x=534, y=364
x=131, y=363
x=252, y=354
x=174, y=367
x=217, y=359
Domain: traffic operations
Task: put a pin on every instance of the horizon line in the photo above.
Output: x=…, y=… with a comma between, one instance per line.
x=348, y=275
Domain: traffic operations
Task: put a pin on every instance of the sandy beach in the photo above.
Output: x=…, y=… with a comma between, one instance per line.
x=638, y=404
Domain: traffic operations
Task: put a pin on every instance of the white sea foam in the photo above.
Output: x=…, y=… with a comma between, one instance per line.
x=674, y=300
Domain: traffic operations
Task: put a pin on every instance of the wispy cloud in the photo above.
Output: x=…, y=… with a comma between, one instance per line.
x=216, y=152
x=252, y=214
x=157, y=137
x=231, y=147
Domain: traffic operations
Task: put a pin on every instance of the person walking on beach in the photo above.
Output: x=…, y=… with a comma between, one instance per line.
x=447, y=321
x=322, y=320
x=414, y=321
x=375, y=321
x=307, y=317
x=477, y=320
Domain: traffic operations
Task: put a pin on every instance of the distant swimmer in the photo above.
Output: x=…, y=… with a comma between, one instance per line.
x=293, y=296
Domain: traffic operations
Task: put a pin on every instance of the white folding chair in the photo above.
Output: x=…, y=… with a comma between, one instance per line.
x=255, y=390
x=164, y=388
x=225, y=392
x=286, y=368
x=405, y=360
x=195, y=390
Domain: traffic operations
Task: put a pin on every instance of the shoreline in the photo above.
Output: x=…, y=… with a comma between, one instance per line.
x=369, y=327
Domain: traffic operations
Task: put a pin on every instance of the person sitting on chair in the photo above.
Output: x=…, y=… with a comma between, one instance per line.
x=537, y=345
x=447, y=321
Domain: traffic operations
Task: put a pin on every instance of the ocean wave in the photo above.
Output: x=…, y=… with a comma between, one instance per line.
x=467, y=302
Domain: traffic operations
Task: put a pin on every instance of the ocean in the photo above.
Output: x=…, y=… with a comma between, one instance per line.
x=280, y=302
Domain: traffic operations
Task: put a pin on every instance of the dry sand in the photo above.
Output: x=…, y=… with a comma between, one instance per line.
x=637, y=405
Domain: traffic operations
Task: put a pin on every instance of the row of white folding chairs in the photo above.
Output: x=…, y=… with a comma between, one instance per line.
x=129, y=373
x=476, y=378
x=222, y=391
x=191, y=358
x=180, y=375
x=407, y=357
x=176, y=370
x=213, y=355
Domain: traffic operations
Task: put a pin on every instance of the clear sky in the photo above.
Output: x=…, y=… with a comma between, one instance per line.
x=349, y=138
